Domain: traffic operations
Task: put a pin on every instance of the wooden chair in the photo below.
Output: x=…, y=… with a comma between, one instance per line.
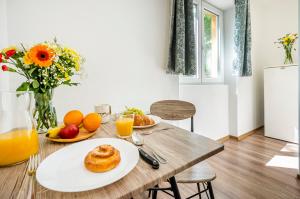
x=201, y=173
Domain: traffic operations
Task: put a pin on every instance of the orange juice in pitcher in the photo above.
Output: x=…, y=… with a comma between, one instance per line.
x=18, y=137
x=17, y=146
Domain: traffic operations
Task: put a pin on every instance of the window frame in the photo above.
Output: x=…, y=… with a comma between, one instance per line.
x=199, y=77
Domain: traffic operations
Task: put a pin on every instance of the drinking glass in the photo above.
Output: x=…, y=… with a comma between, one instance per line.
x=124, y=125
x=18, y=135
x=104, y=110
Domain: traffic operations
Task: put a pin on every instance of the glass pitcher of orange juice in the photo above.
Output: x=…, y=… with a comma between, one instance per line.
x=18, y=136
x=124, y=125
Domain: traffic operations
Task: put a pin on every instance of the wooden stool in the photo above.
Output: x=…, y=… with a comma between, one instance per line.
x=200, y=173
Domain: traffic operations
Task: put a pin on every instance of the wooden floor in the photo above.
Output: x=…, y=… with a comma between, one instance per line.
x=242, y=172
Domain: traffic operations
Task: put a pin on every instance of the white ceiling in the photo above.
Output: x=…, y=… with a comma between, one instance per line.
x=222, y=4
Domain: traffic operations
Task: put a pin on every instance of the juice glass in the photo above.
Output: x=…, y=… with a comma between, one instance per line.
x=124, y=125
x=18, y=136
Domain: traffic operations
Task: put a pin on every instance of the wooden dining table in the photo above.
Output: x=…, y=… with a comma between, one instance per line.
x=181, y=148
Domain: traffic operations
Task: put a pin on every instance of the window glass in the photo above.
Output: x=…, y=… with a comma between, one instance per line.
x=210, y=53
x=196, y=29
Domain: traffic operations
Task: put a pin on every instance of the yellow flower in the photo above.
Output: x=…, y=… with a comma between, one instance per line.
x=27, y=60
x=67, y=77
x=58, y=50
x=74, y=56
x=77, y=66
x=41, y=55
x=60, y=67
x=286, y=39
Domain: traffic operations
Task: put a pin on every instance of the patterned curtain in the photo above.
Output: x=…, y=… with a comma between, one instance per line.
x=242, y=39
x=182, y=53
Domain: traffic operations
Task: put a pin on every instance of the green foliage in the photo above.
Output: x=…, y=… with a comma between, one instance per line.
x=24, y=86
x=207, y=39
x=35, y=84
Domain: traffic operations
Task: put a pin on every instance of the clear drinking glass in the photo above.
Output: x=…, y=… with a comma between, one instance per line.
x=18, y=135
x=124, y=125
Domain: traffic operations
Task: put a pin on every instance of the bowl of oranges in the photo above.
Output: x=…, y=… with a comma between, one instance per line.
x=75, y=127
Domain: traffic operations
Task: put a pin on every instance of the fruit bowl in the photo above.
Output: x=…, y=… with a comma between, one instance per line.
x=83, y=134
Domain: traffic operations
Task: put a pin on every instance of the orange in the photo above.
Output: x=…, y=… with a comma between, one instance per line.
x=73, y=117
x=92, y=121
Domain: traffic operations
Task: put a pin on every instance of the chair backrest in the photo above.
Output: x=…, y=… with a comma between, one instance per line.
x=173, y=109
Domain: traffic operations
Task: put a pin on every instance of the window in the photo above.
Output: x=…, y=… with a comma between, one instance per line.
x=209, y=30
x=210, y=45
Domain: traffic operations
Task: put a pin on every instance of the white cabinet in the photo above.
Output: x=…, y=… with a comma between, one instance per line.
x=281, y=102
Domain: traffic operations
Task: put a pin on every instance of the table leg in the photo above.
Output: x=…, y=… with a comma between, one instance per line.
x=211, y=193
x=154, y=192
x=174, y=188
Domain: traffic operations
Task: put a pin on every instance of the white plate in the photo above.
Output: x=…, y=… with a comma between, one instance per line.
x=64, y=170
x=156, y=121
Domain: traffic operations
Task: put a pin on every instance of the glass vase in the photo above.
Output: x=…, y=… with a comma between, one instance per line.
x=288, y=55
x=18, y=135
x=44, y=113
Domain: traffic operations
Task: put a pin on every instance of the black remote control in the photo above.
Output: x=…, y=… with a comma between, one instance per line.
x=149, y=159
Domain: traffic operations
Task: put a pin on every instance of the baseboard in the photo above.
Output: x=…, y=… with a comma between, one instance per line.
x=243, y=136
x=238, y=138
x=233, y=137
x=224, y=139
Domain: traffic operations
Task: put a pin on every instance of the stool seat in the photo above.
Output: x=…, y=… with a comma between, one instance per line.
x=198, y=173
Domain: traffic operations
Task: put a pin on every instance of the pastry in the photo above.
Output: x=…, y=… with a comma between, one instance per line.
x=143, y=120
x=102, y=158
x=138, y=120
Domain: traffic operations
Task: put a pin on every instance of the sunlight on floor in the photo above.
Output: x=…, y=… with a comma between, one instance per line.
x=289, y=147
x=283, y=161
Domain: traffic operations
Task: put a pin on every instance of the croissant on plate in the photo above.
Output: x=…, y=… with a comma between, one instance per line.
x=143, y=120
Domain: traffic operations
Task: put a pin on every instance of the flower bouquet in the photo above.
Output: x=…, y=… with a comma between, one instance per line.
x=45, y=66
x=287, y=43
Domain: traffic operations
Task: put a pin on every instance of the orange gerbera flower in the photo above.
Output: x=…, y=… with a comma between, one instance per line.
x=41, y=55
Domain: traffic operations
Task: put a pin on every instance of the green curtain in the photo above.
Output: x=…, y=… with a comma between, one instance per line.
x=182, y=52
x=242, y=39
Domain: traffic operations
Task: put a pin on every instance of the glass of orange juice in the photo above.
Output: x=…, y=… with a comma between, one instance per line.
x=124, y=125
x=18, y=136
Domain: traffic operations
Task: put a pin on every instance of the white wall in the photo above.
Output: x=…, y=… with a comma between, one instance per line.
x=272, y=19
x=249, y=107
x=246, y=93
x=4, y=78
x=124, y=42
x=228, y=78
x=3, y=24
x=211, y=102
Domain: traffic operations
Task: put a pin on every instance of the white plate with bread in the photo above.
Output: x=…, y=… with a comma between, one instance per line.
x=145, y=121
x=87, y=165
